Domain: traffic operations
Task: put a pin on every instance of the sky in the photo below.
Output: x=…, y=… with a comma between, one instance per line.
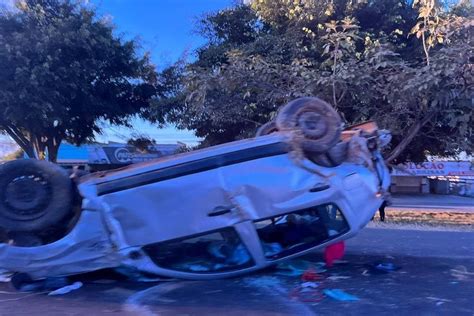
x=165, y=28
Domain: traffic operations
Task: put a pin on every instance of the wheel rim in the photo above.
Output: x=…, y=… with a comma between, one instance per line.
x=312, y=124
x=26, y=197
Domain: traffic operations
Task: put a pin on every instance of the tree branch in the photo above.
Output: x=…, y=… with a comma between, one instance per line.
x=21, y=140
x=412, y=132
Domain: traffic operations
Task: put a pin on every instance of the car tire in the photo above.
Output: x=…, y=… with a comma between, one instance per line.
x=34, y=195
x=267, y=128
x=315, y=119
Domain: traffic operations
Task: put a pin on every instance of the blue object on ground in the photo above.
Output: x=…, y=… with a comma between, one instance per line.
x=386, y=266
x=340, y=295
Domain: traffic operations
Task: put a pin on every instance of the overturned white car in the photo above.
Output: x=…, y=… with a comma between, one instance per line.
x=217, y=212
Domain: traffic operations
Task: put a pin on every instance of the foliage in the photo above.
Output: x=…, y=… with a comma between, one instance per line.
x=63, y=69
x=359, y=56
x=17, y=154
x=142, y=142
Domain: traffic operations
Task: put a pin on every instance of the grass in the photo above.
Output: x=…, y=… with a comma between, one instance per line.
x=428, y=218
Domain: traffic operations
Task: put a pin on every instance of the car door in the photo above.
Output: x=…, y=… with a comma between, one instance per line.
x=165, y=209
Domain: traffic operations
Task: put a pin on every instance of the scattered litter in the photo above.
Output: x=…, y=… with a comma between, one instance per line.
x=310, y=275
x=5, y=276
x=312, y=285
x=334, y=252
x=338, y=277
x=432, y=298
x=340, y=295
x=298, y=267
x=66, y=289
x=386, y=266
x=307, y=292
x=461, y=273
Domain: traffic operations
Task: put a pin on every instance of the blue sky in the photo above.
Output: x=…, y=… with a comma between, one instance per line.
x=166, y=28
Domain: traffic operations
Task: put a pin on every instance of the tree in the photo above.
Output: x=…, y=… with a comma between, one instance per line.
x=356, y=55
x=143, y=143
x=63, y=69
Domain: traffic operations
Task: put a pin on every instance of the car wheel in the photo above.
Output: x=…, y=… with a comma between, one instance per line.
x=315, y=119
x=34, y=195
x=267, y=128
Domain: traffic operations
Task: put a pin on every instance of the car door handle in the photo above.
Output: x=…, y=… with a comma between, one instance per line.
x=319, y=188
x=220, y=210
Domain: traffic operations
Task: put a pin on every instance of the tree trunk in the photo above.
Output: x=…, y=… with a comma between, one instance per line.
x=412, y=132
x=53, y=149
x=39, y=145
x=22, y=141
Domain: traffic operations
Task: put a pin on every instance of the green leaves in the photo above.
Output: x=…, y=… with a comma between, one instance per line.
x=355, y=55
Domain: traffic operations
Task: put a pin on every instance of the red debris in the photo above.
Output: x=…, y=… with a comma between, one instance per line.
x=310, y=275
x=334, y=252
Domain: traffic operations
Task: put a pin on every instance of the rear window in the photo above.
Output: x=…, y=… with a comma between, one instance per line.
x=293, y=232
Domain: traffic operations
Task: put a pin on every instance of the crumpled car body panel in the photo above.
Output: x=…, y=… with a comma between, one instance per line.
x=217, y=194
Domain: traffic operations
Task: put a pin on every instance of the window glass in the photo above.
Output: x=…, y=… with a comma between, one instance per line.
x=297, y=231
x=208, y=253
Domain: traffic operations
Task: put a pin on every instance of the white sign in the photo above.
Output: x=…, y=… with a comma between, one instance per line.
x=435, y=168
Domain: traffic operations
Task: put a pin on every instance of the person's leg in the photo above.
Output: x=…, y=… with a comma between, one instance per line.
x=382, y=212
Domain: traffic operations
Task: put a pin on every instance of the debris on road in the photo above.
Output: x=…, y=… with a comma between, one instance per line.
x=334, y=252
x=338, y=277
x=66, y=289
x=387, y=267
x=5, y=276
x=299, y=267
x=461, y=273
x=340, y=295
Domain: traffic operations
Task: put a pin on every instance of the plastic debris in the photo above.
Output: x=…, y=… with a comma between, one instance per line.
x=5, y=276
x=66, y=289
x=338, y=277
x=461, y=273
x=312, y=285
x=386, y=266
x=310, y=275
x=308, y=292
x=299, y=267
x=340, y=295
x=334, y=252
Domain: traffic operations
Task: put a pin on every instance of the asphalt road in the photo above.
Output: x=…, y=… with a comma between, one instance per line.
x=435, y=276
x=433, y=202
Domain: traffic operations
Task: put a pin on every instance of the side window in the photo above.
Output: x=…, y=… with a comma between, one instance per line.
x=212, y=252
x=286, y=234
